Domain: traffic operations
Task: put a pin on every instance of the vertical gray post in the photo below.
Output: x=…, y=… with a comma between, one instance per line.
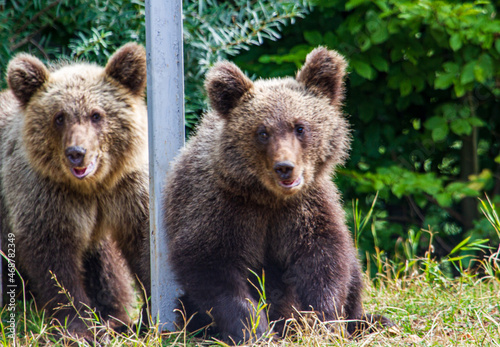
x=166, y=137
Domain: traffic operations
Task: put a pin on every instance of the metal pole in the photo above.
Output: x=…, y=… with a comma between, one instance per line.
x=166, y=136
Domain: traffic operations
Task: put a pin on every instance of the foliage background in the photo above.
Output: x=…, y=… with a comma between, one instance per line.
x=423, y=92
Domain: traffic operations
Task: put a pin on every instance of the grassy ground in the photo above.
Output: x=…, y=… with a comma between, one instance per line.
x=464, y=313
x=428, y=307
x=461, y=312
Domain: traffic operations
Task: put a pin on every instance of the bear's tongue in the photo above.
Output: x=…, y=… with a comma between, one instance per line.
x=80, y=173
x=291, y=183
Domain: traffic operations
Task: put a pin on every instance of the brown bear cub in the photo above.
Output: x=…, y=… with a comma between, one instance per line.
x=252, y=191
x=74, y=183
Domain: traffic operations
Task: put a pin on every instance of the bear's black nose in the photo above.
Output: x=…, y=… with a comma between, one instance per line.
x=284, y=169
x=75, y=155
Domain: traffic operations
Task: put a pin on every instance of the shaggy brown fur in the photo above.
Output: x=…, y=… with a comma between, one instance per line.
x=252, y=190
x=74, y=181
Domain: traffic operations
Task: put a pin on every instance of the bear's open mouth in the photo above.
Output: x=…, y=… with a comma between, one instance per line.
x=82, y=172
x=291, y=183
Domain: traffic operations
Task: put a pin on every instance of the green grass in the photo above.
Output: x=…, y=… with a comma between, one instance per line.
x=462, y=312
x=428, y=306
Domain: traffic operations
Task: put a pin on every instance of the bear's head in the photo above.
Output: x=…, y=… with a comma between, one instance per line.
x=281, y=134
x=83, y=124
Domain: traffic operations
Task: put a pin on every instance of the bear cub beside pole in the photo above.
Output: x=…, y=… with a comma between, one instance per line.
x=252, y=190
x=74, y=183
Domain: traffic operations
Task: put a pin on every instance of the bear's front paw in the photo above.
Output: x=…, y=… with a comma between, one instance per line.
x=243, y=330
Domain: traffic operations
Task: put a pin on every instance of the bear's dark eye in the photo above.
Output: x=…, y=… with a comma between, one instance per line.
x=96, y=117
x=263, y=135
x=299, y=129
x=59, y=119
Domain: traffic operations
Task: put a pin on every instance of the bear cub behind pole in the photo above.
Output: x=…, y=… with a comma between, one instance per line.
x=74, y=183
x=252, y=191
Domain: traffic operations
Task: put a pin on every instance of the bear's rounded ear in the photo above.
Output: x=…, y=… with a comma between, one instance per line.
x=226, y=84
x=323, y=73
x=25, y=75
x=128, y=66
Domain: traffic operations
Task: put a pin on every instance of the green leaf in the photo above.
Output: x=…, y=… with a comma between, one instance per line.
x=363, y=69
x=479, y=73
x=487, y=64
x=456, y=186
x=378, y=185
x=460, y=245
x=459, y=257
x=451, y=67
x=483, y=69
x=399, y=190
x=380, y=35
x=444, y=199
x=313, y=37
x=439, y=134
x=330, y=39
x=497, y=45
x=459, y=89
x=351, y=4
x=444, y=80
x=419, y=83
x=467, y=74
x=461, y=126
x=463, y=112
x=497, y=159
x=265, y=59
x=380, y=63
x=364, y=42
x=476, y=122
x=405, y=87
x=435, y=122
x=455, y=42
